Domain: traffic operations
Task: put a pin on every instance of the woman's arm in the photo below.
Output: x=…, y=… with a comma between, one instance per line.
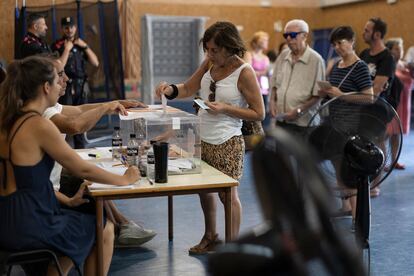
x=249, y=87
x=189, y=87
x=50, y=141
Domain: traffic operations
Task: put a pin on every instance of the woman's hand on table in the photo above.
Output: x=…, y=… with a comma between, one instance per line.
x=131, y=175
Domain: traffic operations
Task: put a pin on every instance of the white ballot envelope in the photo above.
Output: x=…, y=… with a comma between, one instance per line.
x=201, y=103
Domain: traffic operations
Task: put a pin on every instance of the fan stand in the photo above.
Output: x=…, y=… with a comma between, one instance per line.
x=363, y=212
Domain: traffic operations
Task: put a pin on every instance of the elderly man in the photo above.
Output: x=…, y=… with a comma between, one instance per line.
x=294, y=97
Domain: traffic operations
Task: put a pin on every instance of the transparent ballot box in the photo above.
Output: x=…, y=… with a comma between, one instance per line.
x=180, y=129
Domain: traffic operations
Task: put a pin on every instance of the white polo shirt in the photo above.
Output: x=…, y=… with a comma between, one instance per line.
x=57, y=169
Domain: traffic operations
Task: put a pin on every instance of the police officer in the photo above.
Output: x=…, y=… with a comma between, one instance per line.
x=33, y=43
x=75, y=67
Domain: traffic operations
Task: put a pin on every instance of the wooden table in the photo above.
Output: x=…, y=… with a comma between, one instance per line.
x=209, y=181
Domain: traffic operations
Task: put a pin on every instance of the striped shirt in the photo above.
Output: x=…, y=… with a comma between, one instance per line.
x=357, y=81
x=343, y=114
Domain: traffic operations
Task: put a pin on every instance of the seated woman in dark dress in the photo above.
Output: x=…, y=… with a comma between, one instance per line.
x=30, y=215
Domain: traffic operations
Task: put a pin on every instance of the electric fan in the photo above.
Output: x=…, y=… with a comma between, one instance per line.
x=358, y=138
x=296, y=204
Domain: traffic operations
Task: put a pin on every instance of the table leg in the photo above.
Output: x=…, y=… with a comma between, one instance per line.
x=99, y=236
x=170, y=219
x=227, y=214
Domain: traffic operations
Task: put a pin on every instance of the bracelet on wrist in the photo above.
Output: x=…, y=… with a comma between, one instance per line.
x=174, y=93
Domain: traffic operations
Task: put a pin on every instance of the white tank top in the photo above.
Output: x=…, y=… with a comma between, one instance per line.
x=217, y=129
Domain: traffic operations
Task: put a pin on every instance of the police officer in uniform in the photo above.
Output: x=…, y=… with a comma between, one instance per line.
x=33, y=43
x=75, y=67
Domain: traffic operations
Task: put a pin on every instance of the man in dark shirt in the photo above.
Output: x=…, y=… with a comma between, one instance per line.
x=33, y=43
x=382, y=69
x=75, y=67
x=379, y=59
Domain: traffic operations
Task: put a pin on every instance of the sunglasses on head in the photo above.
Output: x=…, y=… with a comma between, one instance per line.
x=292, y=35
x=212, y=96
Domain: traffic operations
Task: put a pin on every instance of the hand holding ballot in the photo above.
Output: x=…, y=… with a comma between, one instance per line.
x=327, y=90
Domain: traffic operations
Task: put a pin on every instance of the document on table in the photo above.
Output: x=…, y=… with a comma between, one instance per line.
x=108, y=166
x=179, y=165
x=95, y=153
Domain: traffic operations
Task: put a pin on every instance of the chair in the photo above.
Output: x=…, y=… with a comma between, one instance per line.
x=10, y=259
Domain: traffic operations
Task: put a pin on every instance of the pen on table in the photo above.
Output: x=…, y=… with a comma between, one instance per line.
x=94, y=155
x=150, y=181
x=124, y=161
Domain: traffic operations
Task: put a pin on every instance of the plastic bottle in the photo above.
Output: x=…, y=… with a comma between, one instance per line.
x=132, y=151
x=140, y=141
x=116, y=144
x=151, y=162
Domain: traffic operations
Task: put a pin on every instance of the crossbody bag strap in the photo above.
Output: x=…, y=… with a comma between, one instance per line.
x=350, y=71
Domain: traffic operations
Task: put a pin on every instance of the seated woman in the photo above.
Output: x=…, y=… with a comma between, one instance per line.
x=349, y=74
x=30, y=216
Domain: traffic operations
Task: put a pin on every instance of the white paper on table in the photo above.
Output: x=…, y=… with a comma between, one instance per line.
x=155, y=106
x=84, y=155
x=176, y=165
x=107, y=166
x=99, y=186
x=98, y=152
x=135, y=115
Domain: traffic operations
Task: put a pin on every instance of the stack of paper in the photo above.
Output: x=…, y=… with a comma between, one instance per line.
x=99, y=186
x=109, y=166
x=178, y=165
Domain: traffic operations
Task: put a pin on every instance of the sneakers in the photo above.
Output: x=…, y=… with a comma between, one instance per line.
x=131, y=235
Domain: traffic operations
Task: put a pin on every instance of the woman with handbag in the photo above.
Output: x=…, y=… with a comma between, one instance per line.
x=230, y=90
x=349, y=74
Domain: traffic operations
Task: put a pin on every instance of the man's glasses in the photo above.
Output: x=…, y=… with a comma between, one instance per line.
x=292, y=35
x=212, y=96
